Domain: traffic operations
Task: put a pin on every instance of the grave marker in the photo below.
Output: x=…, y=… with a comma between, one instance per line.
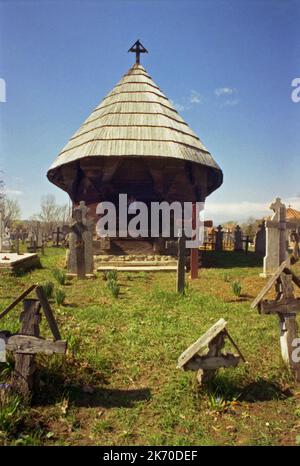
x=276, y=238
x=260, y=240
x=219, y=239
x=286, y=306
x=205, y=355
x=238, y=240
x=80, y=260
x=27, y=342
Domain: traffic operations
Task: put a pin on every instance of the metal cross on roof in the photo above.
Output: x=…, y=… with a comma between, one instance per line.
x=138, y=48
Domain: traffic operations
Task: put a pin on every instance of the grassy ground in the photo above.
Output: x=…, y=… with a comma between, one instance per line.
x=118, y=384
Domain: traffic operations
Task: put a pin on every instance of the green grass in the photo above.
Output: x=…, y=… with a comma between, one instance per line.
x=118, y=383
x=60, y=276
x=60, y=296
x=237, y=288
x=48, y=288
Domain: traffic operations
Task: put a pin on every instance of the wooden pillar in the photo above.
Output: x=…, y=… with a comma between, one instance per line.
x=194, y=251
x=180, y=281
x=23, y=378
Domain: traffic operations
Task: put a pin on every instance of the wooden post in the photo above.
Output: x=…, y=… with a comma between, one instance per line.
x=180, y=281
x=194, y=251
x=57, y=237
x=48, y=312
x=17, y=301
x=23, y=377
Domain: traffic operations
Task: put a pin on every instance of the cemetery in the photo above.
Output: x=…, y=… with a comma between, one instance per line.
x=118, y=339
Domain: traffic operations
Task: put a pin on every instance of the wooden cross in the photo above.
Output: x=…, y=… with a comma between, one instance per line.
x=26, y=343
x=246, y=241
x=206, y=363
x=137, y=48
x=286, y=306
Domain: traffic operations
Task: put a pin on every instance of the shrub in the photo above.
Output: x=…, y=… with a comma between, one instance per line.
x=60, y=296
x=236, y=288
x=48, y=288
x=112, y=275
x=60, y=276
x=226, y=278
x=11, y=412
x=113, y=288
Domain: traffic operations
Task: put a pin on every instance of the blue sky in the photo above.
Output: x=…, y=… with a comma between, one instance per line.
x=227, y=66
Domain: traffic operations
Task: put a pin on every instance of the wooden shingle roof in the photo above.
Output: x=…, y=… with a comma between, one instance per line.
x=136, y=119
x=292, y=214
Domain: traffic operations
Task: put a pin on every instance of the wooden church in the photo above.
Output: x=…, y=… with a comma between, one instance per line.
x=135, y=142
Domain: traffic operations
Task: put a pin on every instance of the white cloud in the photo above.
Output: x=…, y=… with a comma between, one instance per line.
x=224, y=91
x=179, y=107
x=230, y=103
x=228, y=93
x=241, y=211
x=195, y=97
x=13, y=192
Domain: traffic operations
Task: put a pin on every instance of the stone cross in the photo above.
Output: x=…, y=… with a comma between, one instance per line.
x=80, y=255
x=238, y=240
x=6, y=240
x=260, y=240
x=276, y=238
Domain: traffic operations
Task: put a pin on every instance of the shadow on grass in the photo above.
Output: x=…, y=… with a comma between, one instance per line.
x=113, y=398
x=230, y=259
x=260, y=390
x=85, y=388
x=264, y=390
x=241, y=299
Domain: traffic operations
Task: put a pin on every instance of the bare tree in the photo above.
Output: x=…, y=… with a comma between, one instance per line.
x=250, y=227
x=51, y=215
x=11, y=210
